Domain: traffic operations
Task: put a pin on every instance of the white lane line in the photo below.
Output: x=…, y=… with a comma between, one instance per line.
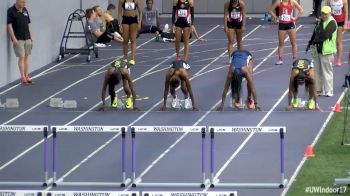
x=171, y=56
x=136, y=79
x=182, y=136
x=222, y=54
x=128, y=125
x=85, y=160
x=224, y=166
x=41, y=141
x=39, y=74
x=122, y=56
x=196, y=123
x=300, y=165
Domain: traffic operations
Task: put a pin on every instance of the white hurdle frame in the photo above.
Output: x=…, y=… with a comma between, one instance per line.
x=267, y=130
x=137, y=182
x=30, y=128
x=111, y=129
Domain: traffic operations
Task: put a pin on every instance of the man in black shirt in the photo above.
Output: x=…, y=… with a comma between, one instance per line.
x=18, y=25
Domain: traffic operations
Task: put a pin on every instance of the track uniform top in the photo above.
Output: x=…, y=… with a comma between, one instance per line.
x=338, y=10
x=183, y=11
x=129, y=5
x=240, y=58
x=179, y=65
x=286, y=12
x=235, y=13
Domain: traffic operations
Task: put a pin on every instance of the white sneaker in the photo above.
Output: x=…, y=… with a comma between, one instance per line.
x=321, y=93
x=176, y=103
x=279, y=62
x=328, y=94
x=100, y=45
x=188, y=103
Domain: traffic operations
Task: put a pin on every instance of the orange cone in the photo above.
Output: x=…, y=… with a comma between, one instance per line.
x=309, y=152
x=337, y=108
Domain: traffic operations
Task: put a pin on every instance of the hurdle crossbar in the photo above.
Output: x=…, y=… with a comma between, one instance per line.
x=217, y=183
x=73, y=129
x=137, y=182
x=30, y=128
x=178, y=193
x=92, y=193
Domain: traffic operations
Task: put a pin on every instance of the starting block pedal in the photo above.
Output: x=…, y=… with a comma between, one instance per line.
x=2, y=106
x=302, y=104
x=179, y=103
x=70, y=104
x=56, y=103
x=12, y=103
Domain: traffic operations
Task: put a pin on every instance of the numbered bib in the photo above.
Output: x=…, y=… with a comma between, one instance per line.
x=129, y=5
x=235, y=15
x=336, y=12
x=182, y=13
x=285, y=17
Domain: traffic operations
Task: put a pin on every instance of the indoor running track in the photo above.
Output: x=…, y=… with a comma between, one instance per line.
x=253, y=159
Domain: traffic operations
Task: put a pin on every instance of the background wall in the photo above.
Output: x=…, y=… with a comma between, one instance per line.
x=48, y=18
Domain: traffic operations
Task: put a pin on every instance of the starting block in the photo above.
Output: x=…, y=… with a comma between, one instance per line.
x=56, y=103
x=2, y=106
x=179, y=103
x=60, y=103
x=302, y=104
x=11, y=103
x=70, y=104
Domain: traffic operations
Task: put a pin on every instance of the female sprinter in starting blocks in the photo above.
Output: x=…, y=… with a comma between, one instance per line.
x=241, y=67
x=116, y=72
x=302, y=73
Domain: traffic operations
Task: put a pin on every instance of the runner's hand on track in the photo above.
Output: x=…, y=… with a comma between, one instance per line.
x=101, y=108
x=257, y=107
x=163, y=108
x=289, y=108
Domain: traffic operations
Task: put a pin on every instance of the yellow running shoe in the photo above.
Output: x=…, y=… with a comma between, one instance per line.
x=128, y=103
x=295, y=102
x=132, y=62
x=115, y=102
x=310, y=104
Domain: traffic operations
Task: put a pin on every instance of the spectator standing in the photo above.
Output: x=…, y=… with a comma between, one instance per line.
x=18, y=25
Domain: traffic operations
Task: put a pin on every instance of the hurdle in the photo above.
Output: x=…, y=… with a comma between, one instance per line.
x=91, y=193
x=21, y=193
x=252, y=130
x=30, y=128
x=190, y=193
x=85, y=129
x=137, y=182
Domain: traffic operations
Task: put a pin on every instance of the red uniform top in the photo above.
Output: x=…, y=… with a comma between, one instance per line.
x=337, y=10
x=286, y=12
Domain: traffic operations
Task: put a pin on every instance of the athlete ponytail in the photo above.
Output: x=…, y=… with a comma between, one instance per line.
x=236, y=85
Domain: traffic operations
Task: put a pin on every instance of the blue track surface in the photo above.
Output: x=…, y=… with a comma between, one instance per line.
x=257, y=161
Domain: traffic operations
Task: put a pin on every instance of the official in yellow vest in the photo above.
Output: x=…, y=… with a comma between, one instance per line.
x=323, y=47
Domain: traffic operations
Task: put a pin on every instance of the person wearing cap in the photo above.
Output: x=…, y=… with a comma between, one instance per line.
x=302, y=73
x=323, y=47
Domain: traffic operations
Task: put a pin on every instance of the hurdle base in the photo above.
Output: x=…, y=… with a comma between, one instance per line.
x=251, y=185
x=138, y=183
x=95, y=184
x=22, y=184
x=342, y=181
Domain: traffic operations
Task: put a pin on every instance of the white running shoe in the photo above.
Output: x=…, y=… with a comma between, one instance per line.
x=188, y=103
x=176, y=103
x=279, y=62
